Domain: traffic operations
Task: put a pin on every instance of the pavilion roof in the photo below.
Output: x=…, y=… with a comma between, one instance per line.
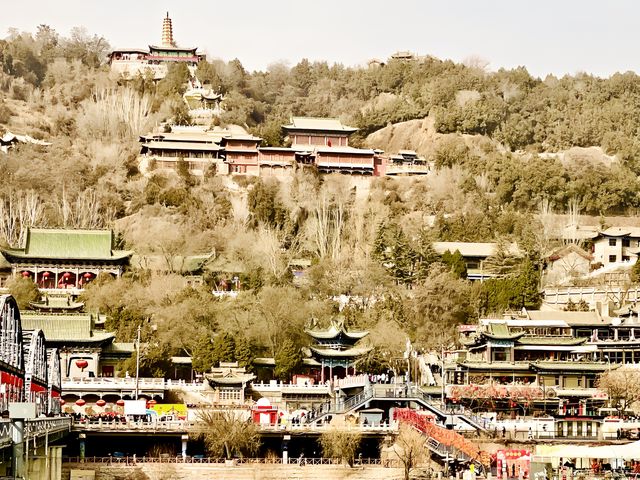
x=69, y=244
x=349, y=353
x=334, y=331
x=70, y=328
x=318, y=124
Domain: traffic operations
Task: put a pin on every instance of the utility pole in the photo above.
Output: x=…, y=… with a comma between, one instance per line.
x=442, y=375
x=137, y=362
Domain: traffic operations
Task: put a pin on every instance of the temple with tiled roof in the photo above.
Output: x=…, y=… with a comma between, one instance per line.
x=61, y=259
x=335, y=348
x=86, y=350
x=228, y=383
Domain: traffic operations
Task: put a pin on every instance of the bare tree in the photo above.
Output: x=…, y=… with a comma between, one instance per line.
x=115, y=113
x=19, y=210
x=227, y=434
x=410, y=449
x=86, y=211
x=342, y=443
x=623, y=387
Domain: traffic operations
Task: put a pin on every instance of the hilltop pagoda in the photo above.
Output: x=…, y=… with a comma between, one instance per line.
x=336, y=348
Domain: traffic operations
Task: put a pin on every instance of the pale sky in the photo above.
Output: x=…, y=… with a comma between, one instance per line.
x=546, y=36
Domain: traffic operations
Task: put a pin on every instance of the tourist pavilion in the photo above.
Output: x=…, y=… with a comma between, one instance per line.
x=68, y=260
x=335, y=350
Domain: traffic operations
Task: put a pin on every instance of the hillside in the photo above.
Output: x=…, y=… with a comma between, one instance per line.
x=509, y=151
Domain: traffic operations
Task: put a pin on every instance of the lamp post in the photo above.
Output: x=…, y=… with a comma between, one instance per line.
x=442, y=375
x=138, y=362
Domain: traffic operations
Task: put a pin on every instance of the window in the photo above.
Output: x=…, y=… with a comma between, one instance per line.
x=612, y=242
x=613, y=258
x=626, y=258
x=626, y=242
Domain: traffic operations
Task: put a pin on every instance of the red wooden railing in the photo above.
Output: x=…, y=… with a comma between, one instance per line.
x=425, y=424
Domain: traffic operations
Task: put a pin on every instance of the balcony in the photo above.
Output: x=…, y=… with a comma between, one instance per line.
x=112, y=385
x=407, y=169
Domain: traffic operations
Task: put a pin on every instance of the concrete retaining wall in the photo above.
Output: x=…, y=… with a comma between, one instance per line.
x=169, y=471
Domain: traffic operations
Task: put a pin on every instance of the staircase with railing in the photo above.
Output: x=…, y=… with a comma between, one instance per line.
x=412, y=393
x=445, y=443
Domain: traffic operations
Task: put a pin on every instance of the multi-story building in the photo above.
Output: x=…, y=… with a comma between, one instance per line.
x=538, y=361
x=616, y=245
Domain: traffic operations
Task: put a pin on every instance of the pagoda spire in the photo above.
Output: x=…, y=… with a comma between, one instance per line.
x=167, y=32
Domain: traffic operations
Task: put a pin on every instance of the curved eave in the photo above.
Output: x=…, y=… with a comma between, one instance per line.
x=333, y=332
x=491, y=336
x=350, y=353
x=21, y=255
x=230, y=380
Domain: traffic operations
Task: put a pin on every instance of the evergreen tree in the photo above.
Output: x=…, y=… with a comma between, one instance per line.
x=224, y=347
x=288, y=360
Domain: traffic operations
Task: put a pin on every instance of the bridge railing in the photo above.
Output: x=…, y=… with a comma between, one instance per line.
x=168, y=426
x=300, y=461
x=40, y=426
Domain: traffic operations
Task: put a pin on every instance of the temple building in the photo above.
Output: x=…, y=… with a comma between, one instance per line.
x=406, y=162
x=325, y=143
x=336, y=351
x=228, y=384
x=57, y=259
x=86, y=349
x=131, y=61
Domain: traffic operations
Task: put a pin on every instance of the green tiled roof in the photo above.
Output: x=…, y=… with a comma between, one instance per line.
x=65, y=328
x=69, y=244
x=572, y=366
x=551, y=341
x=506, y=366
x=120, y=347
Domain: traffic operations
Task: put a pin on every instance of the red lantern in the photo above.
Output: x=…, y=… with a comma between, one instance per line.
x=88, y=275
x=26, y=274
x=66, y=275
x=80, y=402
x=151, y=403
x=101, y=403
x=82, y=364
x=120, y=403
